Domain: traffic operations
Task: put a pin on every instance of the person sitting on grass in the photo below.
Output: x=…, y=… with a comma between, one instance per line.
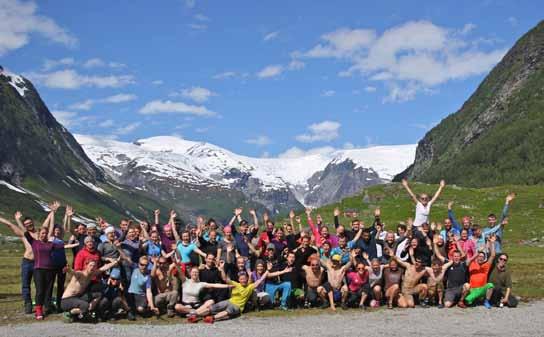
x=423, y=204
x=358, y=286
x=435, y=281
x=165, y=287
x=410, y=283
x=242, y=291
x=75, y=300
x=335, y=286
x=478, y=270
x=501, y=278
x=315, y=292
x=112, y=302
x=140, y=295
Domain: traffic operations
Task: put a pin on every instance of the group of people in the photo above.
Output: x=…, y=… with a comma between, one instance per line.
x=211, y=272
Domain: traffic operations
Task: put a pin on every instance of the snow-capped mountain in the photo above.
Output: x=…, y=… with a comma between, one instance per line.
x=276, y=183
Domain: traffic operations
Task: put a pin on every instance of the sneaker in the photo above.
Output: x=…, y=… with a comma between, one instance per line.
x=306, y=305
x=440, y=306
x=344, y=306
x=131, y=316
x=28, y=308
x=362, y=306
x=487, y=305
x=284, y=307
x=424, y=304
x=462, y=305
x=325, y=305
x=67, y=317
x=192, y=319
x=39, y=313
x=208, y=319
x=170, y=313
x=374, y=304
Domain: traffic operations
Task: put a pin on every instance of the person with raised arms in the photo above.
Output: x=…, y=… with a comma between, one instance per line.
x=423, y=204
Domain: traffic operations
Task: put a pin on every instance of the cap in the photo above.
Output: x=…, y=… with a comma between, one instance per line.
x=109, y=229
x=167, y=227
x=91, y=225
x=270, y=246
x=115, y=274
x=336, y=258
x=88, y=239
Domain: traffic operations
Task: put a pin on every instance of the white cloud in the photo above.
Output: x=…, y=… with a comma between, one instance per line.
x=115, y=99
x=296, y=152
x=370, y=88
x=66, y=118
x=513, y=21
x=325, y=131
x=271, y=36
x=467, y=28
x=108, y=123
x=348, y=146
x=201, y=17
x=197, y=26
x=296, y=65
x=259, y=141
x=198, y=94
x=224, y=75
x=202, y=130
x=411, y=58
x=128, y=128
x=94, y=63
x=19, y=21
x=50, y=64
x=83, y=105
x=328, y=93
x=70, y=79
x=270, y=71
x=158, y=107
x=157, y=82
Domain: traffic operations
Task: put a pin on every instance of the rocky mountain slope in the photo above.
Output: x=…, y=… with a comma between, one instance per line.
x=497, y=137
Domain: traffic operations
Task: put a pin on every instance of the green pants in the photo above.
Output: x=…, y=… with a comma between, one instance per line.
x=477, y=293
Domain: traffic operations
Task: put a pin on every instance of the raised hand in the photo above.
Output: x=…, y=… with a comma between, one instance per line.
x=291, y=214
x=365, y=254
x=450, y=205
x=238, y=211
x=433, y=226
x=442, y=183
x=510, y=197
x=439, y=227
x=504, y=222
x=18, y=215
x=199, y=220
x=308, y=211
x=297, y=219
x=252, y=212
x=157, y=212
x=404, y=182
x=266, y=217
x=377, y=212
x=173, y=214
x=54, y=206
x=492, y=238
x=336, y=211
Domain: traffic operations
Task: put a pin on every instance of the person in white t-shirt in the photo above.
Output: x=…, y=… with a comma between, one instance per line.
x=423, y=204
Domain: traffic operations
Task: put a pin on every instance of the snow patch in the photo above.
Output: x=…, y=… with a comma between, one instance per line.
x=93, y=187
x=16, y=81
x=12, y=187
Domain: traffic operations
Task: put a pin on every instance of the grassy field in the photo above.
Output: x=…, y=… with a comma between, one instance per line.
x=523, y=239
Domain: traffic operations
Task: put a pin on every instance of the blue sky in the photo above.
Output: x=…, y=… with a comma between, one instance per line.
x=259, y=78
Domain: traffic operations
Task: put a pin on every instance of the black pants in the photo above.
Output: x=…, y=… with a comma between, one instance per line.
x=43, y=278
x=60, y=276
x=108, y=307
x=75, y=302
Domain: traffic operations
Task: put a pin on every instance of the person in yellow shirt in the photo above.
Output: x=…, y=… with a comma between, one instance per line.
x=241, y=293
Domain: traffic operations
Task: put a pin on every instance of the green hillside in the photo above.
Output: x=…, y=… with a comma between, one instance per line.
x=497, y=137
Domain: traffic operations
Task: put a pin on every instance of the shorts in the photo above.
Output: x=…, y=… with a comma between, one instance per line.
x=312, y=295
x=355, y=296
x=453, y=295
x=435, y=288
x=297, y=292
x=231, y=309
x=140, y=300
x=336, y=293
x=409, y=293
x=195, y=305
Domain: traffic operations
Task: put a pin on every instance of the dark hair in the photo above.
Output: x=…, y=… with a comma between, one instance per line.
x=27, y=218
x=457, y=251
x=402, y=226
x=243, y=223
x=354, y=221
x=210, y=220
x=492, y=215
x=504, y=254
x=475, y=227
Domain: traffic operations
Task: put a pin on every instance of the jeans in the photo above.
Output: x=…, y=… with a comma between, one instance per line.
x=60, y=276
x=27, y=270
x=42, y=280
x=285, y=288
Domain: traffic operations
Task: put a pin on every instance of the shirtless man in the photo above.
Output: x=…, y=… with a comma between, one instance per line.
x=335, y=287
x=166, y=286
x=314, y=280
x=410, y=283
x=74, y=299
x=435, y=282
x=27, y=263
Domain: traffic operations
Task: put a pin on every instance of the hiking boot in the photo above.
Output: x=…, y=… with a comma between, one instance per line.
x=131, y=316
x=67, y=317
x=440, y=306
x=28, y=308
x=344, y=306
x=170, y=313
x=208, y=319
x=325, y=305
x=39, y=313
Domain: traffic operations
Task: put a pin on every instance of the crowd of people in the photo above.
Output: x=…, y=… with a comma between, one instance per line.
x=211, y=272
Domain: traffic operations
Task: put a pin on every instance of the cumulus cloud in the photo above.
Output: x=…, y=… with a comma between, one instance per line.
x=51, y=64
x=411, y=58
x=259, y=141
x=108, y=123
x=325, y=131
x=125, y=130
x=99, y=63
x=271, y=36
x=159, y=107
x=115, y=99
x=157, y=82
x=197, y=26
x=328, y=93
x=19, y=21
x=66, y=118
x=271, y=71
x=224, y=75
x=197, y=94
x=296, y=65
x=296, y=152
x=370, y=88
x=71, y=79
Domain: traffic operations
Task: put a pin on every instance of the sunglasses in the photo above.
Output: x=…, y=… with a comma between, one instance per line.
x=143, y=265
x=360, y=268
x=503, y=259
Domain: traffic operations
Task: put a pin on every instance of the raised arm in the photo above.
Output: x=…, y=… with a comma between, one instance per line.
x=145, y=234
x=261, y=280
x=172, y=223
x=400, y=262
x=409, y=190
x=51, y=225
x=14, y=228
x=157, y=214
x=108, y=266
x=451, y=216
x=505, y=209
x=253, y=214
x=436, y=250
x=336, y=214
x=439, y=191
x=67, y=222
x=491, y=247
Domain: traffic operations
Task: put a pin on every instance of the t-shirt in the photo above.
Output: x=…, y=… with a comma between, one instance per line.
x=139, y=282
x=191, y=291
x=223, y=246
x=456, y=275
x=392, y=277
x=167, y=242
x=356, y=281
x=422, y=214
x=132, y=249
x=478, y=273
x=240, y=294
x=108, y=249
x=501, y=279
x=153, y=249
x=58, y=254
x=185, y=251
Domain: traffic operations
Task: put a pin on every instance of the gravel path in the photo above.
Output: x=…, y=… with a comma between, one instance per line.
x=527, y=320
